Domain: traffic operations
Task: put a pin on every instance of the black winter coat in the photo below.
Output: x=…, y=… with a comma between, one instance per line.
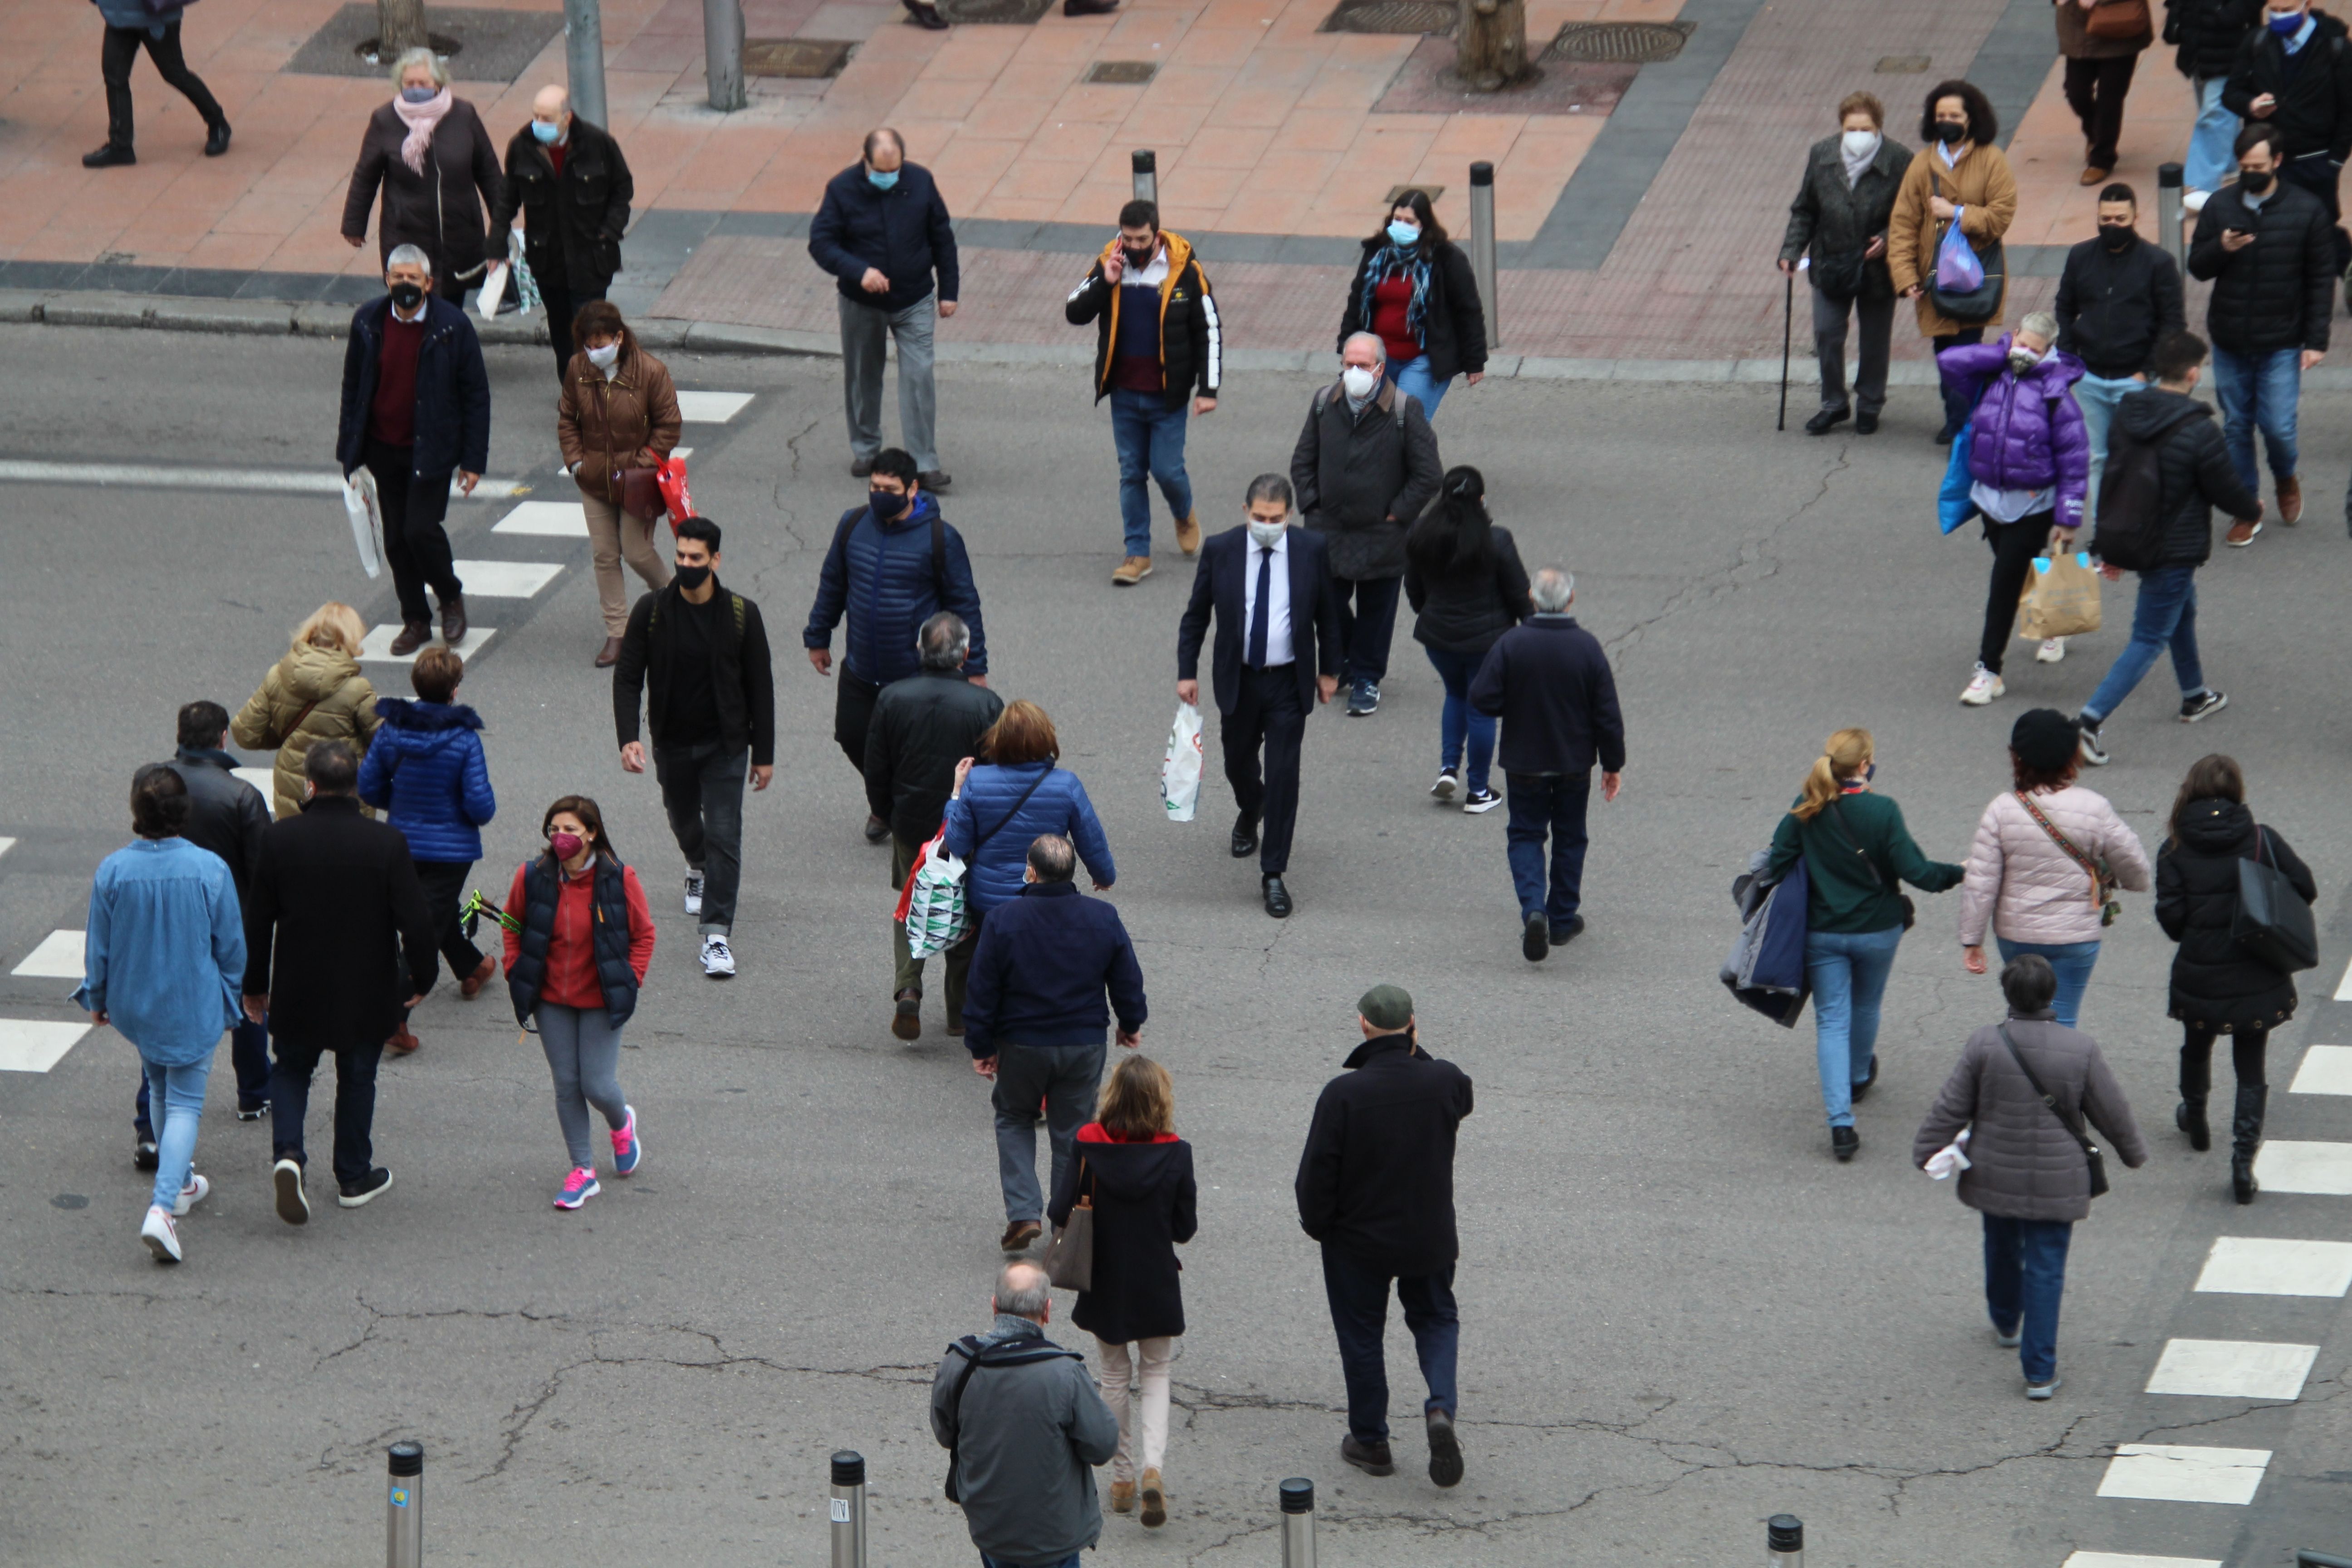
x=453, y=391
x=226, y=815
x=1453, y=324
x=2315, y=100
x=922, y=726
x=2194, y=470
x=902, y=233
x=2209, y=33
x=1830, y=217
x=2277, y=292
x=1361, y=479
x=742, y=681
x=574, y=221
x=1145, y=1201
x=2112, y=308
x=1375, y=1180
x=2214, y=981
x=336, y=901
x=438, y=211
x=1467, y=608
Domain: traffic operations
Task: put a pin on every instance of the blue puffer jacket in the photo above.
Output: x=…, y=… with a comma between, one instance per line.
x=426, y=766
x=2027, y=434
x=985, y=808
x=134, y=14
x=883, y=576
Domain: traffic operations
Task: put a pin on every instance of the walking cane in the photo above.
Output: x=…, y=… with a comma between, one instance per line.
x=1788, y=325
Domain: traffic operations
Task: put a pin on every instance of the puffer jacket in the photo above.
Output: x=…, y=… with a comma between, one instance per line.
x=2021, y=1163
x=2314, y=88
x=886, y=578
x=2215, y=982
x=2027, y=433
x=2193, y=470
x=2028, y=889
x=604, y=425
x=425, y=767
x=1192, y=334
x=2209, y=34
x=2277, y=292
x=1833, y=218
x=991, y=835
x=312, y=694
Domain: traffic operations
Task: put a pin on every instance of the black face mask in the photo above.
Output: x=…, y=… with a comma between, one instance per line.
x=692, y=578
x=407, y=296
x=1949, y=133
x=2117, y=236
x=1139, y=259
x=2255, y=185
x=885, y=503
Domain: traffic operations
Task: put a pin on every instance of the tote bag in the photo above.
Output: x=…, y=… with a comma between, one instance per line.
x=2272, y=921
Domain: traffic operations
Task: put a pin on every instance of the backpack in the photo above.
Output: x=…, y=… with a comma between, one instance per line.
x=2130, y=534
x=740, y=619
x=1323, y=395
x=1015, y=1352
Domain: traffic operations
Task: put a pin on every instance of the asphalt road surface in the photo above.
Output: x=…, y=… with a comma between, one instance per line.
x=1679, y=1316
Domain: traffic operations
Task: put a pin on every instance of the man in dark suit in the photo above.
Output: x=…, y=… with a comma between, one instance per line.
x=335, y=896
x=1278, y=654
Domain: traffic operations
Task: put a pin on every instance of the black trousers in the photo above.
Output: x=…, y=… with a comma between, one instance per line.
x=853, y=714
x=2246, y=1052
x=2014, y=546
x=2314, y=174
x=1267, y=712
x=1957, y=406
x=416, y=544
x=445, y=890
x=290, y=1102
x=114, y=60
x=1367, y=609
x=2094, y=91
x=563, y=301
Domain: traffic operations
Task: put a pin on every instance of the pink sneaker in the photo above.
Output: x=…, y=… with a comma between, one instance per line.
x=628, y=1149
x=578, y=1186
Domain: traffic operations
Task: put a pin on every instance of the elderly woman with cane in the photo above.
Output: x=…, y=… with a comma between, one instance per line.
x=1837, y=225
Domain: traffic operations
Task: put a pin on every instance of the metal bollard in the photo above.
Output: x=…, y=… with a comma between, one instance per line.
x=1297, y=1496
x=2168, y=217
x=1784, y=1542
x=403, y=1506
x=584, y=58
x=2320, y=1560
x=722, y=53
x=1147, y=176
x=849, y=1509
x=1482, y=244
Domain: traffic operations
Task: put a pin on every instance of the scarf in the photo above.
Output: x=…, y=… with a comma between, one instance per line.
x=1857, y=167
x=1394, y=261
x=420, y=118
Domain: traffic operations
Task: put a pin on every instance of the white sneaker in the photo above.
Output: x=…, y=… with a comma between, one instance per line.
x=716, y=962
x=694, y=892
x=2193, y=202
x=2052, y=650
x=190, y=1195
x=1983, y=687
x=161, y=1236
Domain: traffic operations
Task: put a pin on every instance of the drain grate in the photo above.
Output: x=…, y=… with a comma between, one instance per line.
x=1902, y=65
x=1122, y=73
x=1620, y=43
x=809, y=58
x=1393, y=16
x=1008, y=13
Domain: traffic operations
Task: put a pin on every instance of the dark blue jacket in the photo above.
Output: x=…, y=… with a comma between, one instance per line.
x=453, y=391
x=985, y=815
x=1043, y=962
x=903, y=232
x=1220, y=586
x=425, y=765
x=889, y=580
x=1550, y=684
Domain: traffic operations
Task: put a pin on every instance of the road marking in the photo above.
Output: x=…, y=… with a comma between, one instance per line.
x=2327, y=1069
x=157, y=476
x=265, y=780
x=2262, y=1266
x=2168, y=1473
x=6, y=844
x=378, y=647
x=556, y=519
x=59, y=957
x=682, y=453
x=2133, y=1560
x=2344, y=986
x=34, y=1045
x=505, y=579
x=711, y=407
x=2233, y=1369
x=2284, y=1166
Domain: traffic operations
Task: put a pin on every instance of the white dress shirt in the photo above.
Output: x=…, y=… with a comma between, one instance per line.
x=1277, y=601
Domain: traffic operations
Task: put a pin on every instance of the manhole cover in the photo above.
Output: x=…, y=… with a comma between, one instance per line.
x=1122, y=73
x=805, y=58
x=1902, y=65
x=1620, y=43
x=1014, y=13
x=1393, y=16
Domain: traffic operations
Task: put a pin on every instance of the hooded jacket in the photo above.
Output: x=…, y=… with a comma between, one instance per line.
x=1192, y=334
x=2276, y=293
x=903, y=233
x=2314, y=88
x=1831, y=217
x=2112, y=307
x=1026, y=1432
x=885, y=577
x=440, y=210
x=453, y=391
x=2027, y=433
x=2022, y=1163
x=2028, y=889
x=1362, y=477
x=1376, y=1178
x=2194, y=471
x=573, y=222
x=310, y=695
x=1145, y=1202
x=425, y=768
x=2209, y=33
x=1454, y=326
x=2215, y=982
x=603, y=424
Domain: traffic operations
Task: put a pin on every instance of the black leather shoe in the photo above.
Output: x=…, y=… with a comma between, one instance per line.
x=453, y=619
x=1827, y=420
x=216, y=138
x=934, y=481
x=1535, y=941
x=1372, y=1458
x=1862, y=1088
x=1277, y=899
x=925, y=17
x=1865, y=423
x=1089, y=7
x=1562, y=935
x=108, y=157
x=1843, y=1142
x=1944, y=436
x=1244, y=837
x=877, y=830
x=860, y=467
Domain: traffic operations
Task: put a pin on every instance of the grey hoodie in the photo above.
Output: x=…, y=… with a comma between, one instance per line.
x=1032, y=1431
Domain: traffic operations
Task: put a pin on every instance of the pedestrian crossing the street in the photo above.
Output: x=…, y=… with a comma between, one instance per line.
x=378, y=645
x=2166, y=1472
x=2327, y=1069
x=58, y=957
x=2233, y=1369
x=35, y=1045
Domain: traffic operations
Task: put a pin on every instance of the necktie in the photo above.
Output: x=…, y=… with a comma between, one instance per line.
x=1265, y=609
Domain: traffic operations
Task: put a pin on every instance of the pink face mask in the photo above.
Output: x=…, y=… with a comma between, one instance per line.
x=565, y=845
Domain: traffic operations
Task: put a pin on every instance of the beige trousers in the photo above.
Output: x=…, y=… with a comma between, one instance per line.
x=1119, y=1362
x=614, y=535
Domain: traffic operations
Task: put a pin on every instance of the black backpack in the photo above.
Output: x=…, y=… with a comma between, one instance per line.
x=2130, y=534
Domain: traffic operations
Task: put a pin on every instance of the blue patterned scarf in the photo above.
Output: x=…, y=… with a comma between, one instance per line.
x=1395, y=261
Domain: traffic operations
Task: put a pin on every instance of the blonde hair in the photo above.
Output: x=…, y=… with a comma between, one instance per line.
x=333, y=625
x=1843, y=755
x=1138, y=1101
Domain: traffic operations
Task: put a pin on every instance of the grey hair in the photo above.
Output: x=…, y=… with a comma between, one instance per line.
x=944, y=642
x=878, y=136
x=420, y=56
x=408, y=255
x=1378, y=347
x=2042, y=324
x=1554, y=587
x=1053, y=859
x=1269, y=487
x=1022, y=1290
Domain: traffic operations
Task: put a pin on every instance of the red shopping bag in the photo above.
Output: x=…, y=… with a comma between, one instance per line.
x=671, y=479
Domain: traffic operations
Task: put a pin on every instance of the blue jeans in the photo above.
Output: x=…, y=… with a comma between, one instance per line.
x=1359, y=1294
x=1847, y=971
x=2210, y=162
x=1411, y=378
x=2025, y=1273
x=1150, y=440
x=248, y=1049
x=1459, y=723
x=2070, y=960
x=1551, y=804
x=177, y=1097
x=2164, y=616
x=2097, y=397
x=2259, y=391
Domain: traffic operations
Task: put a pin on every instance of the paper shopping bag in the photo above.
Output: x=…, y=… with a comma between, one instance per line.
x=2061, y=599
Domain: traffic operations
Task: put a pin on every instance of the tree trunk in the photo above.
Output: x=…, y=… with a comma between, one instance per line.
x=1491, y=44
x=399, y=25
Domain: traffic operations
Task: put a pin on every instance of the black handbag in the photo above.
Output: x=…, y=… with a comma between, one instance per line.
x=1981, y=304
x=1839, y=275
x=2272, y=921
x=2091, y=1155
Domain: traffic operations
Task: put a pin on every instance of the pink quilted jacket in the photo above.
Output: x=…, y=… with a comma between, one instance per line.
x=2028, y=889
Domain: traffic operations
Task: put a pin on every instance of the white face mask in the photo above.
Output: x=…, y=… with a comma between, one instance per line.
x=604, y=358
x=1358, y=381
x=1267, y=535
x=1860, y=144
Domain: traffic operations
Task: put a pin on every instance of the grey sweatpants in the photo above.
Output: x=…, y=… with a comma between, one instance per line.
x=864, y=333
x=584, y=1052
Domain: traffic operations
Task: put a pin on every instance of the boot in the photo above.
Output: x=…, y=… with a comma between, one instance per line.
x=2189, y=1116
x=2245, y=1133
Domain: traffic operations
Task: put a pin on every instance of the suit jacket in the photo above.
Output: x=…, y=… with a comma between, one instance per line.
x=1220, y=584
x=339, y=897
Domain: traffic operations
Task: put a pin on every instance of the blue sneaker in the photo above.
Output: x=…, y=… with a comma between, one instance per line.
x=578, y=1186
x=627, y=1147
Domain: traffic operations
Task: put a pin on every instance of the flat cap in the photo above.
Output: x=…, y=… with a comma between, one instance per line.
x=1386, y=1006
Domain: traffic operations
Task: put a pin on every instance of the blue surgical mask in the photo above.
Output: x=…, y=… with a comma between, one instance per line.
x=419, y=94
x=548, y=134
x=2286, y=23
x=882, y=181
x=1404, y=233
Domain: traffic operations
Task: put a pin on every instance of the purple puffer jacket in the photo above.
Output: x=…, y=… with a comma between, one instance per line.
x=2027, y=433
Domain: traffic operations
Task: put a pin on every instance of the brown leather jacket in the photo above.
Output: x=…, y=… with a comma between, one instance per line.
x=605, y=426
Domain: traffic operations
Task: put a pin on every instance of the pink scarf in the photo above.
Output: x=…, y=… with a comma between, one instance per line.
x=420, y=118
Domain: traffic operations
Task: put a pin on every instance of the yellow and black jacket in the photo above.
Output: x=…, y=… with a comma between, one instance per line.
x=1191, y=332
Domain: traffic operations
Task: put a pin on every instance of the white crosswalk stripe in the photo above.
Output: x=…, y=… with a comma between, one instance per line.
x=157, y=476
x=6, y=844
x=2285, y=1165
x=505, y=579
x=2344, y=986
x=35, y=1045
x=58, y=957
x=556, y=519
x=266, y=781
x=2326, y=1069
x=378, y=647
x=2168, y=1472
x=711, y=407
x=2265, y=1266
x=2233, y=1369
x=2133, y=1560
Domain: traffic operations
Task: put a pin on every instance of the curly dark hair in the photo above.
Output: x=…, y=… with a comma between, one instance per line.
x=2029, y=778
x=1984, y=126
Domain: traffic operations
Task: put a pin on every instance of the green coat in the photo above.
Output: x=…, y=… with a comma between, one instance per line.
x=1846, y=898
x=312, y=694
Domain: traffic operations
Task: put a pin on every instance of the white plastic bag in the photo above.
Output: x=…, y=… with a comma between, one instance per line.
x=1180, y=772
x=1951, y=1159
x=932, y=907
x=360, y=504
x=494, y=289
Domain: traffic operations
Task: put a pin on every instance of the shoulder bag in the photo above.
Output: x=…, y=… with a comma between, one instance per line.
x=1070, y=1261
x=1879, y=878
x=2272, y=921
x=2103, y=884
x=2091, y=1155
x=1981, y=304
x=1838, y=275
x=2120, y=21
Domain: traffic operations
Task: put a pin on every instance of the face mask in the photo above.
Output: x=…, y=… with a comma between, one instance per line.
x=2117, y=236
x=1267, y=535
x=1358, y=381
x=881, y=181
x=419, y=94
x=1403, y=234
x=548, y=134
x=2255, y=185
x=1860, y=144
x=2284, y=23
x=692, y=578
x=1950, y=135
x=2023, y=360
x=407, y=296
x=885, y=503
x=565, y=845
x=1137, y=260
x=602, y=358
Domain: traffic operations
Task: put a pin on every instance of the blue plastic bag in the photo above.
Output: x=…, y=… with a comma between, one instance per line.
x=1958, y=269
x=1953, y=506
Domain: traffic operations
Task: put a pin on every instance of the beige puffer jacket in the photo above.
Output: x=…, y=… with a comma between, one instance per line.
x=340, y=707
x=2028, y=889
